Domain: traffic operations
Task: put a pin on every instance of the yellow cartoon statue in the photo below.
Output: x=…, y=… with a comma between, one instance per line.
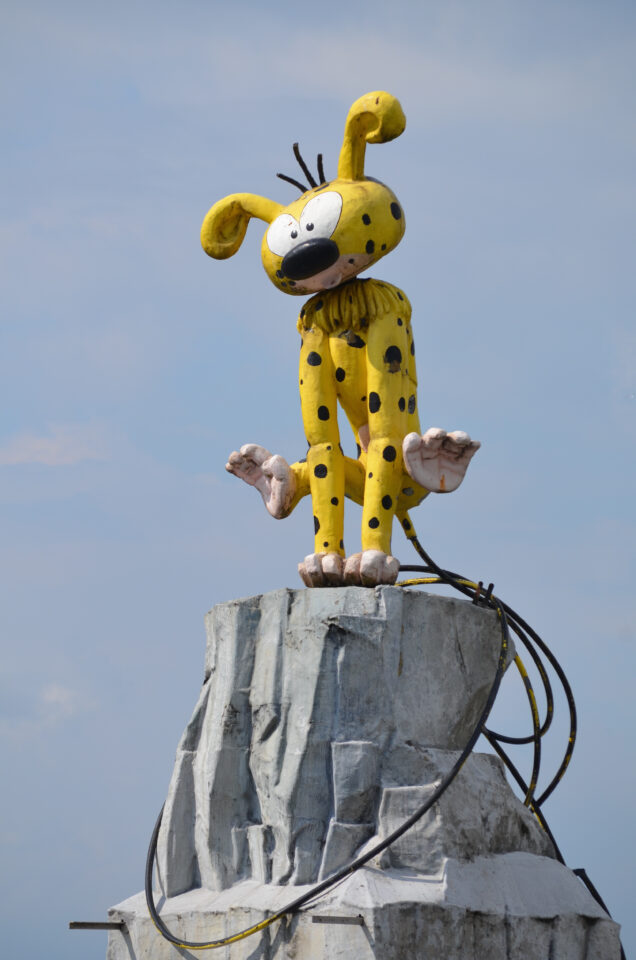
x=357, y=348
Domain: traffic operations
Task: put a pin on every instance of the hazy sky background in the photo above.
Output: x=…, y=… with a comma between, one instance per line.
x=131, y=365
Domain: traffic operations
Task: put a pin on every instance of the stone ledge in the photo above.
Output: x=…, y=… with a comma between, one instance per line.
x=515, y=905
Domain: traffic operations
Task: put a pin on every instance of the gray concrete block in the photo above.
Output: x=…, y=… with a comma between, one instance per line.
x=326, y=718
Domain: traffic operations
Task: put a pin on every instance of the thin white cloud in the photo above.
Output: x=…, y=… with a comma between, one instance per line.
x=65, y=444
x=58, y=703
x=449, y=57
x=36, y=711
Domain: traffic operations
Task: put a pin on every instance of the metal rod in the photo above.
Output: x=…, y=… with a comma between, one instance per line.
x=97, y=925
x=359, y=920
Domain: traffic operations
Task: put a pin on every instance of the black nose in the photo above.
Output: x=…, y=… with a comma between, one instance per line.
x=309, y=258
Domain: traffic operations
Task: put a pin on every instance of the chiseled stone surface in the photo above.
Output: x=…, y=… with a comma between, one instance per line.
x=513, y=906
x=315, y=704
x=326, y=718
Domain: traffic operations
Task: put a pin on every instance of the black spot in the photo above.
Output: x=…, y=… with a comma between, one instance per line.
x=402, y=403
x=334, y=500
x=413, y=348
x=323, y=413
x=374, y=523
x=351, y=298
x=342, y=544
x=408, y=491
x=374, y=403
x=283, y=284
x=352, y=338
x=393, y=357
x=351, y=260
x=302, y=312
x=370, y=475
x=364, y=322
x=279, y=273
x=387, y=502
x=301, y=382
x=320, y=470
x=412, y=403
x=318, y=305
x=340, y=374
x=326, y=542
x=399, y=321
x=384, y=246
x=314, y=359
x=370, y=247
x=316, y=524
x=363, y=399
x=396, y=210
x=406, y=525
x=400, y=297
x=366, y=218
x=329, y=447
x=389, y=453
x=359, y=449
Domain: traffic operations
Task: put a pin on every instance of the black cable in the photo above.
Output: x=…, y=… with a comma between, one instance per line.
x=508, y=619
x=529, y=638
x=356, y=864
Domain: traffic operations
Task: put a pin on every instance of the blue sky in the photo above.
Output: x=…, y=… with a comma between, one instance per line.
x=131, y=365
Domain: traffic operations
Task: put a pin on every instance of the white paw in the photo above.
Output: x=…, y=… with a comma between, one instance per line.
x=438, y=460
x=322, y=570
x=371, y=567
x=270, y=474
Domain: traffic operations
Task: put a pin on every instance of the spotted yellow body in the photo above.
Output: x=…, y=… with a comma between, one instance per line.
x=357, y=352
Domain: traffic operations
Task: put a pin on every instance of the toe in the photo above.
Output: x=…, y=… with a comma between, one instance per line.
x=311, y=572
x=333, y=569
x=304, y=576
x=352, y=570
x=433, y=439
x=254, y=451
x=390, y=569
x=377, y=567
x=234, y=461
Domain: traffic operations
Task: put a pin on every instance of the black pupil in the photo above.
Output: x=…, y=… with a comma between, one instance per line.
x=294, y=234
x=309, y=226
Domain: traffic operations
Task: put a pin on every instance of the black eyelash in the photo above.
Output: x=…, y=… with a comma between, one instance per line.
x=306, y=171
x=321, y=172
x=303, y=166
x=300, y=186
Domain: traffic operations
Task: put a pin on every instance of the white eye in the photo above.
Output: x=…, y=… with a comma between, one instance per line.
x=283, y=234
x=320, y=216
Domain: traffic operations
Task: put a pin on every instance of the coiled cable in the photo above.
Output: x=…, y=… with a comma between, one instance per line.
x=508, y=619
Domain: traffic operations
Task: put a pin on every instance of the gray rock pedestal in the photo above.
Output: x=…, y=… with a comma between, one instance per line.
x=326, y=718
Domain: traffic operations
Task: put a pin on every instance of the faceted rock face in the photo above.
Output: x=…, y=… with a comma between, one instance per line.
x=326, y=718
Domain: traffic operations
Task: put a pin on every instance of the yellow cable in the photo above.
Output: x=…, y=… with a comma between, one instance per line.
x=213, y=945
x=535, y=719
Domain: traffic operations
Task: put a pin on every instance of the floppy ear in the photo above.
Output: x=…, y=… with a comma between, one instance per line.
x=225, y=223
x=375, y=118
